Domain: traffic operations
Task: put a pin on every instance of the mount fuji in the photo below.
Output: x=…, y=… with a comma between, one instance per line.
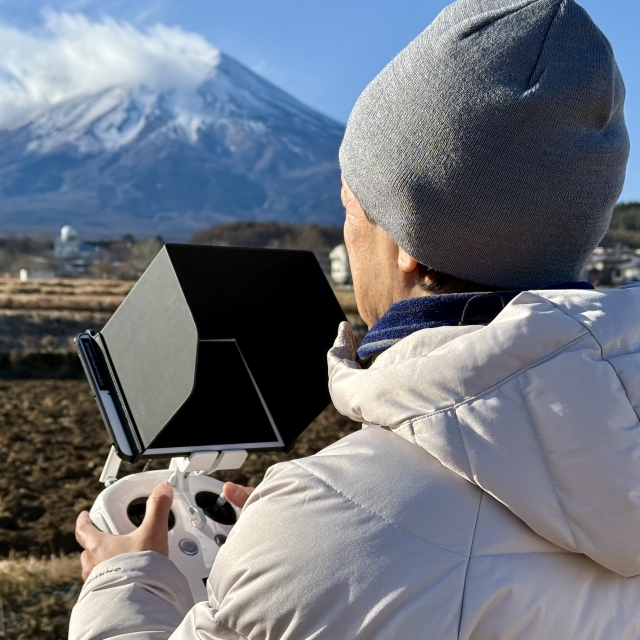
x=134, y=159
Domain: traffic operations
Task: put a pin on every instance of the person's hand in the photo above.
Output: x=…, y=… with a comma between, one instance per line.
x=236, y=494
x=151, y=535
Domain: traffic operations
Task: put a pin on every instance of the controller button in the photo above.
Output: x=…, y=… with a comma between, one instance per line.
x=220, y=539
x=188, y=546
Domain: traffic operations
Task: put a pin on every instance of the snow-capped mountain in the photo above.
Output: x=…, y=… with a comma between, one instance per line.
x=130, y=159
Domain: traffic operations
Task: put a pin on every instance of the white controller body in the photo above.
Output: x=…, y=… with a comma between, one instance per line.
x=195, y=538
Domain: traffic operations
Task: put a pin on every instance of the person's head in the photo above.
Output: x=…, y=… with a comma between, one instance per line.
x=488, y=154
x=383, y=273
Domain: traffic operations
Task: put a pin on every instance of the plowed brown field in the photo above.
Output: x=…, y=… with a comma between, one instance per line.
x=53, y=445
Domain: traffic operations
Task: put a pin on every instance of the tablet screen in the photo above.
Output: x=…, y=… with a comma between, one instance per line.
x=225, y=411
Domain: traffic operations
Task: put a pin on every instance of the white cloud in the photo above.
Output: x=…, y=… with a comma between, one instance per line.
x=70, y=56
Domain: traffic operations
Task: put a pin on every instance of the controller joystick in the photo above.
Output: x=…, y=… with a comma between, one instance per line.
x=221, y=513
x=199, y=521
x=137, y=508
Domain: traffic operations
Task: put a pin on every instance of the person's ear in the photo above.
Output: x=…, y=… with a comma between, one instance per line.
x=406, y=262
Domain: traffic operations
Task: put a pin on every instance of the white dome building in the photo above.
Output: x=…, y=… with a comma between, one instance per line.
x=68, y=244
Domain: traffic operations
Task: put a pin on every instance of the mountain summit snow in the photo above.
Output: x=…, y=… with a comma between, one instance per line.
x=147, y=159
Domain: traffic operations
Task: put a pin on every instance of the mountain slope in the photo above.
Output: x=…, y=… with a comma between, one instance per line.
x=129, y=159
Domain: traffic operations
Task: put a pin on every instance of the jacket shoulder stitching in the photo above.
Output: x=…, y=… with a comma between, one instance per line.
x=224, y=626
x=455, y=406
x=560, y=552
x=605, y=356
x=377, y=515
x=629, y=349
x=464, y=444
x=466, y=569
x=544, y=460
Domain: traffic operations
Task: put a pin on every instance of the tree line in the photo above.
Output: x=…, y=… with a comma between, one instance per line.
x=625, y=226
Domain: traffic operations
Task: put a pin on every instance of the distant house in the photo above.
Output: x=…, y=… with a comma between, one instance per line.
x=340, y=267
x=614, y=266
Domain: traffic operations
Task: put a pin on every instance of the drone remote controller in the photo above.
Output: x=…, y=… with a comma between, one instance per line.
x=199, y=521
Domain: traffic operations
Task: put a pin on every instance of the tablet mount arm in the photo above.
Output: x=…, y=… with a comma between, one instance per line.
x=202, y=462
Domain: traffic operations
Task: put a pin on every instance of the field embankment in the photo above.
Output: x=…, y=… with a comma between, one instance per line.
x=40, y=318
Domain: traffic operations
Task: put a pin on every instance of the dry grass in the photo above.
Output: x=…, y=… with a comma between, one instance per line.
x=85, y=295
x=66, y=286
x=93, y=295
x=36, y=597
x=58, y=302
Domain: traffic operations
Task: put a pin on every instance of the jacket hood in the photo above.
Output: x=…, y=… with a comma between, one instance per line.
x=539, y=409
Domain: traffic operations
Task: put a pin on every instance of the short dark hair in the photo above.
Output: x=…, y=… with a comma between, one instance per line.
x=439, y=283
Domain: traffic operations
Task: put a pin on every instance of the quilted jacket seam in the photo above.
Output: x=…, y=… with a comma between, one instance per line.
x=228, y=628
x=628, y=349
x=544, y=461
x=373, y=513
x=466, y=569
x=410, y=421
x=604, y=356
x=523, y=553
x=413, y=434
x=464, y=444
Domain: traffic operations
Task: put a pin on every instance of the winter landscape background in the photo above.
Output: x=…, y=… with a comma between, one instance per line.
x=162, y=134
x=124, y=119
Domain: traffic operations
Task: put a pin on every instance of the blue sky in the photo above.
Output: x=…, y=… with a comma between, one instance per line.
x=325, y=52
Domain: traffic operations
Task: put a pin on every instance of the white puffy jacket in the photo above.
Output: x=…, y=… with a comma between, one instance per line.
x=495, y=494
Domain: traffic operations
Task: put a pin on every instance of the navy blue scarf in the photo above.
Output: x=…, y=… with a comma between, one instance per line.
x=447, y=310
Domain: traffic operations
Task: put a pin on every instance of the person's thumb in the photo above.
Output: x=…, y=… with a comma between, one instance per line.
x=236, y=494
x=154, y=527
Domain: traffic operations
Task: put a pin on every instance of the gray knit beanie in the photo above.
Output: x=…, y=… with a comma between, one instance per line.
x=494, y=148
